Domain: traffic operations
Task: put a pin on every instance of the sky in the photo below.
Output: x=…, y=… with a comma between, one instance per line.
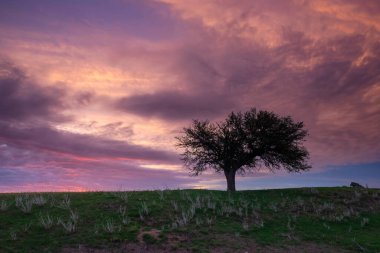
x=94, y=92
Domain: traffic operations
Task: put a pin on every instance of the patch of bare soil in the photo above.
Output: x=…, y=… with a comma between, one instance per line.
x=304, y=247
x=175, y=239
x=143, y=248
x=170, y=245
x=153, y=232
x=301, y=248
x=228, y=245
x=128, y=248
x=248, y=245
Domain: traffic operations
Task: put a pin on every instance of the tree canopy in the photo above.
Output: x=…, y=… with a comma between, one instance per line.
x=243, y=142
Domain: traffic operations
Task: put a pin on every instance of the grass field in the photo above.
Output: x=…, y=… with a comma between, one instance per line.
x=288, y=220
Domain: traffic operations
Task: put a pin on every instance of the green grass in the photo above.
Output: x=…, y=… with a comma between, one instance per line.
x=197, y=220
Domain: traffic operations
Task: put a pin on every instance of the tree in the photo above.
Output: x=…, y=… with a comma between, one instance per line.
x=244, y=142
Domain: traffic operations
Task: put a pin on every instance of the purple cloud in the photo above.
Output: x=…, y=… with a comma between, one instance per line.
x=22, y=99
x=46, y=139
x=172, y=105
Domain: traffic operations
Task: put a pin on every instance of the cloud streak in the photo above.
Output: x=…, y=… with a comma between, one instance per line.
x=86, y=146
x=175, y=105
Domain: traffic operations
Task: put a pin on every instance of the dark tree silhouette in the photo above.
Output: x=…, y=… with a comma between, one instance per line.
x=243, y=142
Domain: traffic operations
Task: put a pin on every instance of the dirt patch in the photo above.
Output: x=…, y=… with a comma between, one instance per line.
x=218, y=244
x=128, y=248
x=247, y=248
x=248, y=245
x=301, y=248
x=171, y=244
x=175, y=239
x=153, y=232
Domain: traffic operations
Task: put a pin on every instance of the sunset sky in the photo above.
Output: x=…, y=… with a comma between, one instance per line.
x=93, y=92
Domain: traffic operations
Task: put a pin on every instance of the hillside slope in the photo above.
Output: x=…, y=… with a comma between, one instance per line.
x=287, y=220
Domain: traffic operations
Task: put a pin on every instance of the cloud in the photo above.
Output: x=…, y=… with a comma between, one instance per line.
x=28, y=111
x=262, y=21
x=87, y=175
x=22, y=99
x=322, y=75
x=46, y=139
x=169, y=105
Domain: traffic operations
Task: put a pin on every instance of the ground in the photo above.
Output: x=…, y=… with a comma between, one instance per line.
x=289, y=220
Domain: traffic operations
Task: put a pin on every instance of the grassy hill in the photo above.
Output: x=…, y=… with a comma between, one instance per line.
x=289, y=220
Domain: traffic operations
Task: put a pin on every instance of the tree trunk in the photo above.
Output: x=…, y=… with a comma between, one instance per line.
x=230, y=176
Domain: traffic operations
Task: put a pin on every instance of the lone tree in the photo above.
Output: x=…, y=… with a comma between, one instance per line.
x=243, y=142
